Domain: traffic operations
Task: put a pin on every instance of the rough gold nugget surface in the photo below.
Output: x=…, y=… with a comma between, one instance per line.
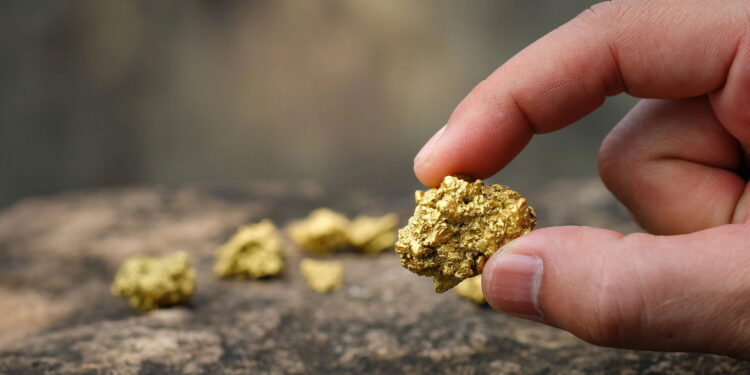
x=149, y=283
x=254, y=251
x=471, y=289
x=457, y=226
x=322, y=276
x=372, y=235
x=322, y=232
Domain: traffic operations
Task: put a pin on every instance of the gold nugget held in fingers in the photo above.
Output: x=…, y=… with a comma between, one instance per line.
x=149, y=283
x=322, y=276
x=254, y=251
x=457, y=226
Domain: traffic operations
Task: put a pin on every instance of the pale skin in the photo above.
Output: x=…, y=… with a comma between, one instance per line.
x=675, y=161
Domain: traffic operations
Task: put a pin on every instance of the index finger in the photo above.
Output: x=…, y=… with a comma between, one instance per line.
x=649, y=49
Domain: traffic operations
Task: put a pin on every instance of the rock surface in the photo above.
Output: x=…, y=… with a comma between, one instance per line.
x=58, y=256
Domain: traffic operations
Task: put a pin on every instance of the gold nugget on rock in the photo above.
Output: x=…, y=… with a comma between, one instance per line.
x=322, y=276
x=372, y=235
x=254, y=251
x=457, y=226
x=149, y=283
x=322, y=232
x=471, y=289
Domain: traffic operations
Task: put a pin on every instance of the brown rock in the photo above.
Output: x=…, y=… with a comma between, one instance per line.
x=59, y=254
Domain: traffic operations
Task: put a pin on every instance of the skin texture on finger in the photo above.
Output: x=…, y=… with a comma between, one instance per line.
x=673, y=165
x=730, y=101
x=679, y=293
x=730, y=105
x=653, y=49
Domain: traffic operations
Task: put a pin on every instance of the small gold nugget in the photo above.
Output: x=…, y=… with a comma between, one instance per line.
x=254, y=251
x=457, y=226
x=372, y=235
x=322, y=276
x=149, y=283
x=471, y=289
x=322, y=232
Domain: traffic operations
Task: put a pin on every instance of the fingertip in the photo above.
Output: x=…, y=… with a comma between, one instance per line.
x=479, y=151
x=511, y=284
x=425, y=174
x=426, y=159
x=513, y=279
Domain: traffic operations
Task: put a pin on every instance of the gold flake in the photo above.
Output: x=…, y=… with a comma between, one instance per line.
x=471, y=289
x=372, y=235
x=149, y=283
x=254, y=251
x=322, y=276
x=322, y=232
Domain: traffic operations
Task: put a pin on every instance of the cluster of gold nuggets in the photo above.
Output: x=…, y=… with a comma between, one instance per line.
x=454, y=230
x=255, y=251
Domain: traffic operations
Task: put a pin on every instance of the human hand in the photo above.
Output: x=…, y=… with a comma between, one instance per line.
x=674, y=161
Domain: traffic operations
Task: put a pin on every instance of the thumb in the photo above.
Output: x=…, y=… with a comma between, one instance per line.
x=640, y=291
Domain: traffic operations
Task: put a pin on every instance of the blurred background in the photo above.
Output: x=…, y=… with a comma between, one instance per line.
x=343, y=93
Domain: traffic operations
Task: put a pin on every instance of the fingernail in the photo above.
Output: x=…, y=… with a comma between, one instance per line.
x=423, y=154
x=511, y=283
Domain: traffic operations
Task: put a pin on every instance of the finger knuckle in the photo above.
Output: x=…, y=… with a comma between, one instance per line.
x=606, y=13
x=605, y=332
x=615, y=319
x=598, y=14
x=598, y=10
x=611, y=157
x=610, y=325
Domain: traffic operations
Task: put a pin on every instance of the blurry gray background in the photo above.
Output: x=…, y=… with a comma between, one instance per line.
x=99, y=93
